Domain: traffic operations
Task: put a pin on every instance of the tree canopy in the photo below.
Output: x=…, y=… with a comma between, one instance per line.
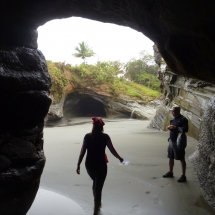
x=83, y=51
x=102, y=75
x=143, y=71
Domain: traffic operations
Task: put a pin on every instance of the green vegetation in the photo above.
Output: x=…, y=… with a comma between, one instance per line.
x=143, y=71
x=83, y=51
x=103, y=74
x=58, y=78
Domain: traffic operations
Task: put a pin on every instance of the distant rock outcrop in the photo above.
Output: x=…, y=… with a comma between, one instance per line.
x=97, y=100
x=191, y=95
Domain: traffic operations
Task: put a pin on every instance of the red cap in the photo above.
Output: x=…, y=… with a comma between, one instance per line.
x=97, y=121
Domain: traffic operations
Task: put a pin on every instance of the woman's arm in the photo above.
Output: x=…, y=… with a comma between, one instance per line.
x=82, y=153
x=112, y=150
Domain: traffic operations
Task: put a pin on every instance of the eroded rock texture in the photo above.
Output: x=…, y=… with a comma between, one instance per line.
x=94, y=103
x=24, y=86
x=190, y=94
x=182, y=30
x=98, y=101
x=204, y=157
x=22, y=162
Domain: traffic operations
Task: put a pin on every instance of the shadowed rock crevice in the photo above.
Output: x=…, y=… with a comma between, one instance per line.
x=77, y=105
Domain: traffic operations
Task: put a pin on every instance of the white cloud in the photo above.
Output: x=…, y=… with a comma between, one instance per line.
x=58, y=38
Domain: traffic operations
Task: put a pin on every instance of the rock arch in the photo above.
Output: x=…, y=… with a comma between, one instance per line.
x=83, y=105
x=183, y=32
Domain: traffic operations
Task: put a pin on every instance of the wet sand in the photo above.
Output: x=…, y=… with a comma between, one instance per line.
x=137, y=188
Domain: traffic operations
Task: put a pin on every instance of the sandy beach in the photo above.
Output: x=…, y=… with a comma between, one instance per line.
x=137, y=188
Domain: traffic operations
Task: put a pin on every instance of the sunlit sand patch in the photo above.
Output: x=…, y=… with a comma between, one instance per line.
x=51, y=203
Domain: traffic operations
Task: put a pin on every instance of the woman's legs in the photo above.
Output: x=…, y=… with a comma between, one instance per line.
x=91, y=173
x=98, y=175
x=99, y=182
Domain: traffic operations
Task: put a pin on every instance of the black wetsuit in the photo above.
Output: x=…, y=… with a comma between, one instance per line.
x=96, y=163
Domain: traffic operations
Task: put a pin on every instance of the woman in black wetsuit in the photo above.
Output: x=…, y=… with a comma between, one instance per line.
x=96, y=161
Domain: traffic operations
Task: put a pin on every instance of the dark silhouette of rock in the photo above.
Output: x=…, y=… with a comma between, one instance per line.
x=182, y=30
x=24, y=87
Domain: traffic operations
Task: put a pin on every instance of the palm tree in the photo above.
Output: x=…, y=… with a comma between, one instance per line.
x=83, y=51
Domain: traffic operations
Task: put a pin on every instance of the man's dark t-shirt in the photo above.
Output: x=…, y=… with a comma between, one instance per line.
x=179, y=122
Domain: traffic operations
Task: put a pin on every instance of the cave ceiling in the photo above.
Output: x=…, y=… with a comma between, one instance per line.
x=183, y=30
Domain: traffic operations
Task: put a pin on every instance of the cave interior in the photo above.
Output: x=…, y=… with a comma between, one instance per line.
x=83, y=105
x=182, y=30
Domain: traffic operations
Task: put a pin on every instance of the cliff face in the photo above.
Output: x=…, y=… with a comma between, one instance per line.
x=91, y=98
x=190, y=94
x=197, y=101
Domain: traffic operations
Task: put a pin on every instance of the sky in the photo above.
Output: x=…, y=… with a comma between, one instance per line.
x=57, y=40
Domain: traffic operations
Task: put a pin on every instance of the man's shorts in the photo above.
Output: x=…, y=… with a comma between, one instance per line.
x=174, y=152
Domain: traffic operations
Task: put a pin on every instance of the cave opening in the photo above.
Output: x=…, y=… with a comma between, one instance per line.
x=60, y=47
x=89, y=106
x=184, y=38
x=83, y=106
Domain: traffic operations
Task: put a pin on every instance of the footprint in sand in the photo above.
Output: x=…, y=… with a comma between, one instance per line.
x=134, y=209
x=157, y=201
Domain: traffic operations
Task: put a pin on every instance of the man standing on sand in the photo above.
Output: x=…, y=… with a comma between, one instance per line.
x=178, y=124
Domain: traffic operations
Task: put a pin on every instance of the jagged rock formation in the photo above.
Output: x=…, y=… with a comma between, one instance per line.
x=92, y=103
x=24, y=84
x=204, y=157
x=55, y=110
x=183, y=32
x=190, y=94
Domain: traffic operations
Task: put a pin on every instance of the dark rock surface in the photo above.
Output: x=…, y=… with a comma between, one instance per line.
x=22, y=162
x=18, y=149
x=190, y=94
x=24, y=86
x=97, y=102
x=182, y=30
x=5, y=163
x=204, y=157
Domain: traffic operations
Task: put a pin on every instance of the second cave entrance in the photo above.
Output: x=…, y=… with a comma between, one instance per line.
x=82, y=105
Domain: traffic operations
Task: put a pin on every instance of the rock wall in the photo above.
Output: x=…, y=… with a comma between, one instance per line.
x=204, y=157
x=24, y=85
x=190, y=94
